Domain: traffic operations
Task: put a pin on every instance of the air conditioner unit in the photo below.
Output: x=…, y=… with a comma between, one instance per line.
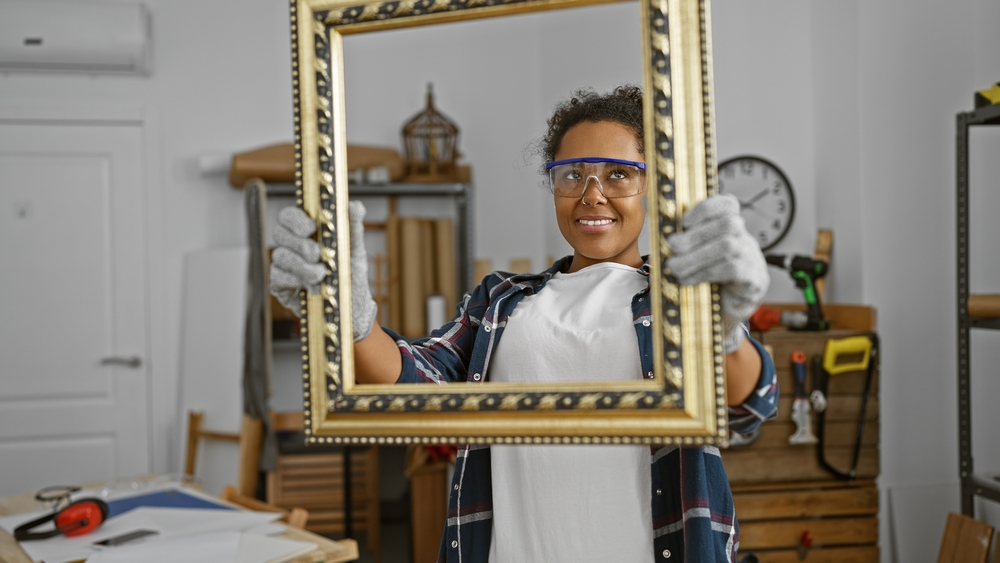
x=79, y=36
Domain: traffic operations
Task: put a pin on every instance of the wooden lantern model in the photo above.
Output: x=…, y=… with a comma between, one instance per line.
x=430, y=142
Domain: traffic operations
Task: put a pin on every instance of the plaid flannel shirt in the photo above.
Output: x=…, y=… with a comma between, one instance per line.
x=693, y=515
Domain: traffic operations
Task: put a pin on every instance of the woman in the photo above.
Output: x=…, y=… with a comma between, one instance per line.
x=580, y=320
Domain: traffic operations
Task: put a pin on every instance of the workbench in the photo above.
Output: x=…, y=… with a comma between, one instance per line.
x=789, y=507
x=327, y=550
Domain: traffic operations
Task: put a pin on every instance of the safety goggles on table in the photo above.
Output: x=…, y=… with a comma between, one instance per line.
x=615, y=178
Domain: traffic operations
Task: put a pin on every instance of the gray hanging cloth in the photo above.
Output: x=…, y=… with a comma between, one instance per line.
x=257, y=333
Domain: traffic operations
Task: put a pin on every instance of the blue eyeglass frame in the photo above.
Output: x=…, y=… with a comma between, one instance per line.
x=594, y=160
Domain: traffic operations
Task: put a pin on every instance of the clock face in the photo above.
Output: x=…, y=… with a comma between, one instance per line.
x=767, y=202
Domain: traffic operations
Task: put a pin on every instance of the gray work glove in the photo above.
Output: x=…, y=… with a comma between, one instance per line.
x=296, y=265
x=363, y=307
x=715, y=247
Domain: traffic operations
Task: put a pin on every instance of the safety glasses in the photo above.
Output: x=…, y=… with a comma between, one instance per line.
x=615, y=178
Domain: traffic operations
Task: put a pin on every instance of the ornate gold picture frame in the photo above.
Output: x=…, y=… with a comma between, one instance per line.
x=684, y=402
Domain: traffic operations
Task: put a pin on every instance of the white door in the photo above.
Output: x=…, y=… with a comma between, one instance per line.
x=74, y=403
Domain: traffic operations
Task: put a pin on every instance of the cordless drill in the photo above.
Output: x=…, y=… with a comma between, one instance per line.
x=805, y=271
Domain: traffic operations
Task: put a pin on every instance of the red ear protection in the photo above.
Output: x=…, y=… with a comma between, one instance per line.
x=78, y=518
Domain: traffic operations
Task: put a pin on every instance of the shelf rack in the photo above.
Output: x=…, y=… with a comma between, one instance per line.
x=978, y=311
x=461, y=192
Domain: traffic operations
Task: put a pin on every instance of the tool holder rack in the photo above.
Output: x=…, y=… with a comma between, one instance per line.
x=790, y=508
x=974, y=311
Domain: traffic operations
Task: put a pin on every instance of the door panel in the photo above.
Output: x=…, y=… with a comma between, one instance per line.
x=72, y=244
x=45, y=460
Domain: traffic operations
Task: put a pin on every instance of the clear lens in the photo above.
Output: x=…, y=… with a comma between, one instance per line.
x=614, y=179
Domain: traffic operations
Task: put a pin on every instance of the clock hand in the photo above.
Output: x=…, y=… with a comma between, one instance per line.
x=754, y=199
x=762, y=214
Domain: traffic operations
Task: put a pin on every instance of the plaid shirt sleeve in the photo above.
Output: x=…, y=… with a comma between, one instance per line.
x=763, y=402
x=445, y=356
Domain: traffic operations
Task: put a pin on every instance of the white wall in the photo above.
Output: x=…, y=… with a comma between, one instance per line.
x=873, y=110
x=763, y=106
x=854, y=100
x=220, y=81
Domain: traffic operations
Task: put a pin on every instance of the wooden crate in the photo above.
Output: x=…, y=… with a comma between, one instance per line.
x=782, y=494
x=316, y=482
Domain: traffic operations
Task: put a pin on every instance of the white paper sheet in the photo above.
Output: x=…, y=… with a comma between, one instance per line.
x=217, y=547
x=261, y=549
x=183, y=523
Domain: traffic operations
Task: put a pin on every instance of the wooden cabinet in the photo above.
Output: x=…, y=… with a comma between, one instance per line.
x=789, y=507
x=428, y=510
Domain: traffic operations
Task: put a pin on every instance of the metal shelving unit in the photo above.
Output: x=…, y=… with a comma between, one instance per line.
x=461, y=192
x=972, y=485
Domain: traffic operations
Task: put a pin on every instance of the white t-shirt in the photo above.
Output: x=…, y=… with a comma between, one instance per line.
x=572, y=503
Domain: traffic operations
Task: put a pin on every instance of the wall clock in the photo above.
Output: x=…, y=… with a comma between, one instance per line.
x=767, y=202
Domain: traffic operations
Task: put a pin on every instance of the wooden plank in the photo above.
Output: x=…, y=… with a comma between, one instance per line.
x=840, y=408
x=445, y=275
x=785, y=341
x=842, y=317
x=845, y=501
x=775, y=435
x=251, y=441
x=849, y=383
x=853, y=554
x=824, y=532
x=520, y=265
x=411, y=277
x=292, y=421
x=747, y=465
x=393, y=253
x=966, y=540
x=483, y=267
x=829, y=483
x=782, y=343
x=824, y=244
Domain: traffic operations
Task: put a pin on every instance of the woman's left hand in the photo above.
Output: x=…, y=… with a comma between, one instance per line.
x=716, y=247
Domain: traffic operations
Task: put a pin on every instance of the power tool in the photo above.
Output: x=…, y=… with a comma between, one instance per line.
x=805, y=271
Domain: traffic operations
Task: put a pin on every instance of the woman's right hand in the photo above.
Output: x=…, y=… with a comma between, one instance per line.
x=296, y=265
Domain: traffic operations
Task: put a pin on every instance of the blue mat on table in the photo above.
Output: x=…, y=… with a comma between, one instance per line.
x=172, y=498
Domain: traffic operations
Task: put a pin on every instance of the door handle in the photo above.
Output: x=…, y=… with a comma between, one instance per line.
x=133, y=362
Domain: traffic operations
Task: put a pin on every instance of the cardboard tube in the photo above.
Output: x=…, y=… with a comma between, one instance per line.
x=436, y=307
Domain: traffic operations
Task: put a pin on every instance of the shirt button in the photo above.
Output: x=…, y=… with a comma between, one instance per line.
x=645, y=322
x=477, y=376
x=454, y=543
x=456, y=487
x=666, y=554
x=658, y=492
x=487, y=328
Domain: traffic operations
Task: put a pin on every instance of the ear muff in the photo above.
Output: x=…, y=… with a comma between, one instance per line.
x=78, y=518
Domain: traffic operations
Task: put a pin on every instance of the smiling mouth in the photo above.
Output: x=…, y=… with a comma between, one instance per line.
x=595, y=223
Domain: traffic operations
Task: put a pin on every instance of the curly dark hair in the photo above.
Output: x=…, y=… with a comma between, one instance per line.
x=623, y=105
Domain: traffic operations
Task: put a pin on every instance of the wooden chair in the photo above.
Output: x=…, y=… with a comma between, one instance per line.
x=966, y=540
x=249, y=440
x=297, y=517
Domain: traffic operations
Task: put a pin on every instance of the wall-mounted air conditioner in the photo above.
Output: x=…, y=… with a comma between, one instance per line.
x=78, y=36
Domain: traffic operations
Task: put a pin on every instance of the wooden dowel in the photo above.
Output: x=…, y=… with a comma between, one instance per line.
x=984, y=305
